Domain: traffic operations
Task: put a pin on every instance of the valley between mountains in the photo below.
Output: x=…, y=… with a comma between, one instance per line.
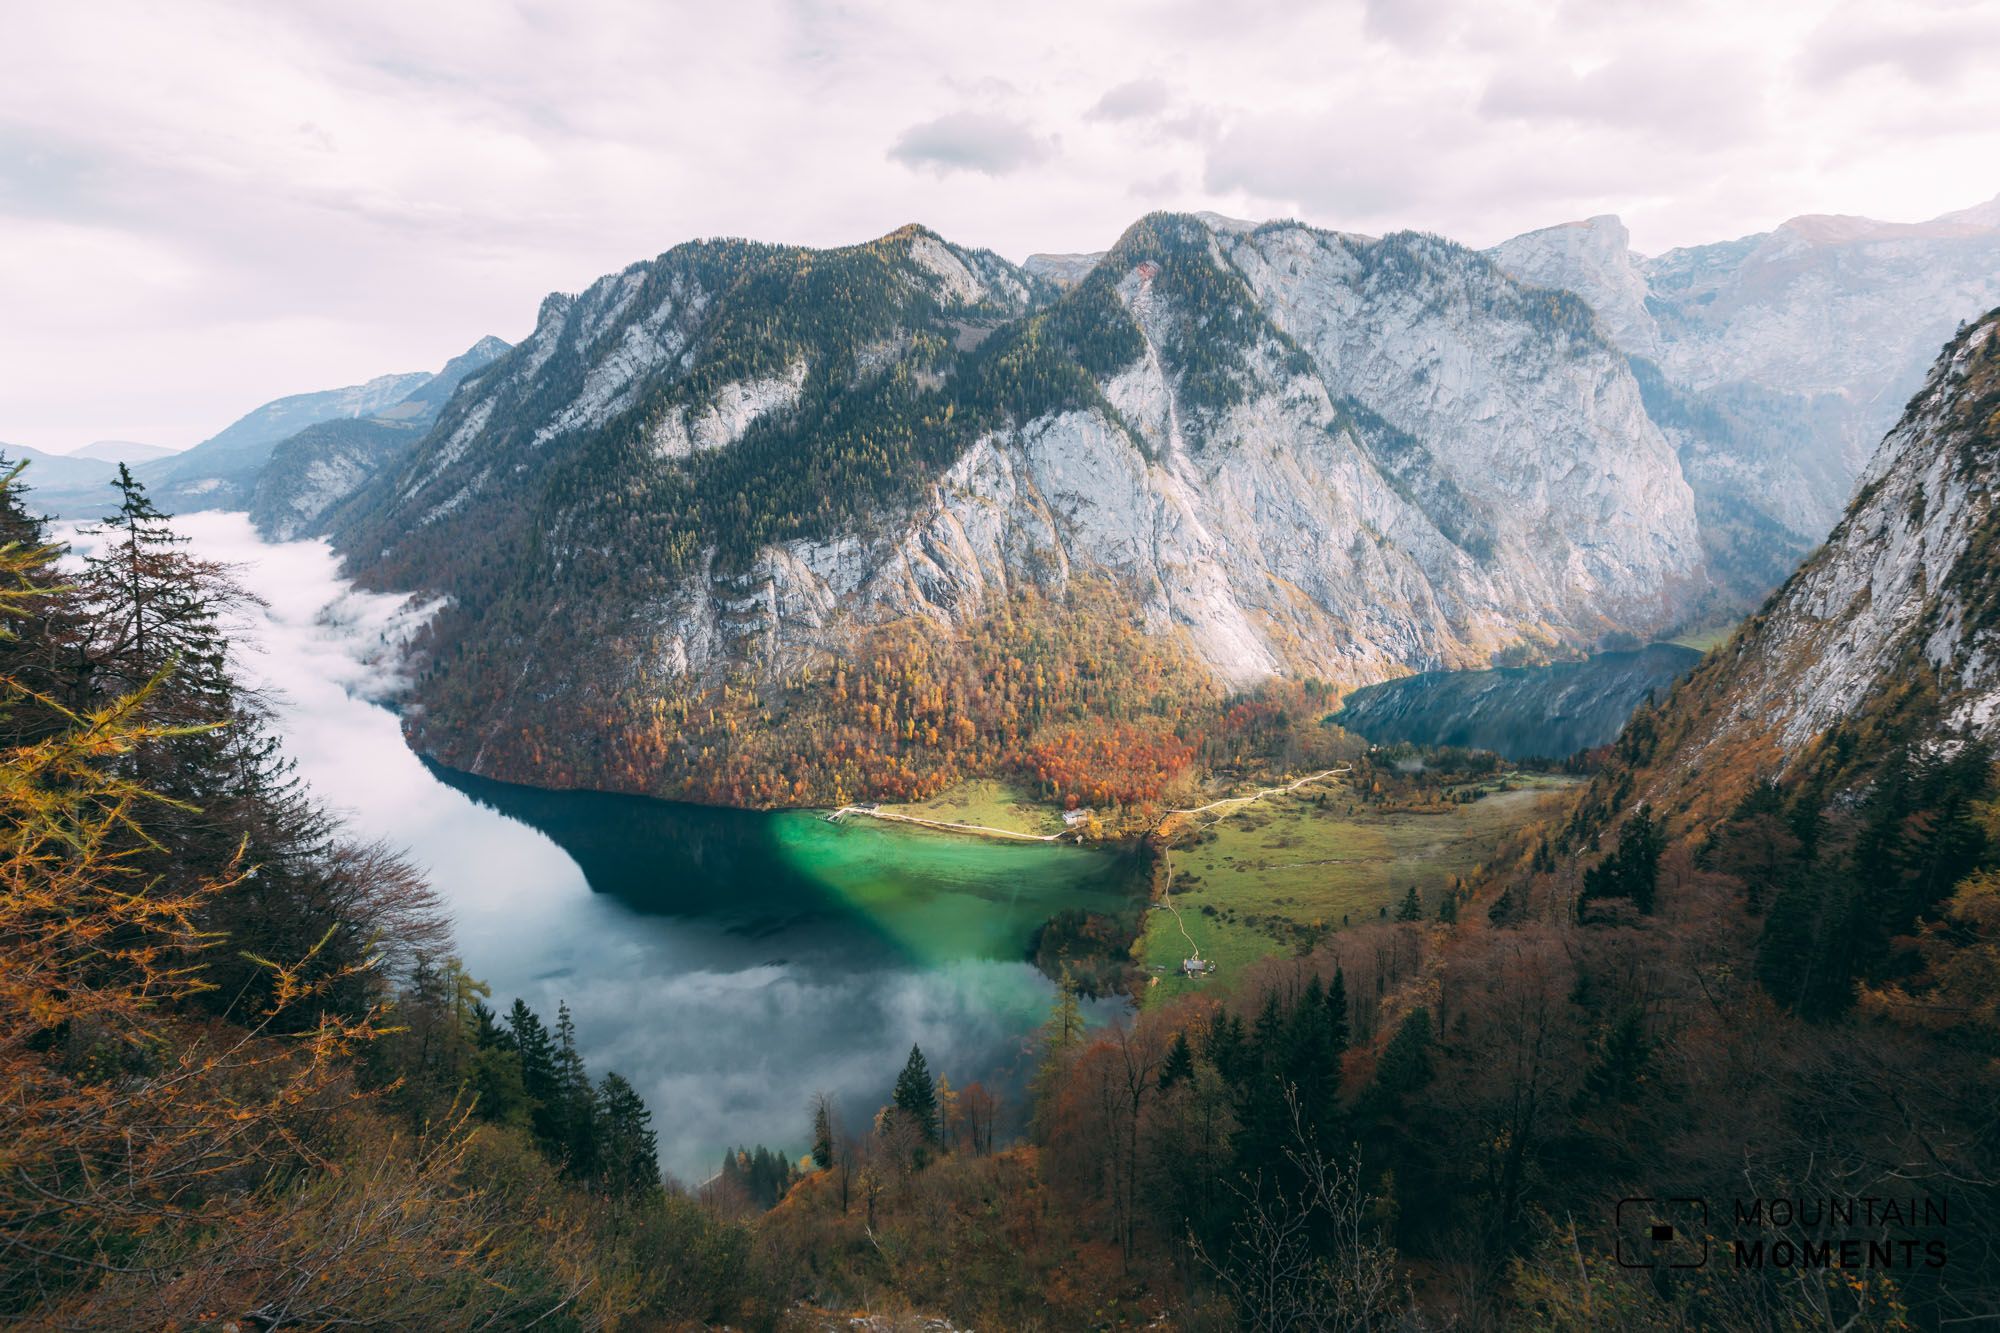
x=1248, y=551
x=760, y=526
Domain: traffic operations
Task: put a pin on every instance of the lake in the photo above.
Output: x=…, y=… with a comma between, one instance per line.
x=730, y=963
x=1547, y=712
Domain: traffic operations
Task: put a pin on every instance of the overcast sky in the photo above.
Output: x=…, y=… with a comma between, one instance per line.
x=207, y=205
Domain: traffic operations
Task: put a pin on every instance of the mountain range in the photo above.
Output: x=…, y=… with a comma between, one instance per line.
x=1776, y=362
x=85, y=470
x=718, y=479
x=236, y=466
x=1278, y=452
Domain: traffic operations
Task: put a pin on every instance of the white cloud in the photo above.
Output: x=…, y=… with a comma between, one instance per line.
x=970, y=141
x=1135, y=100
x=206, y=205
x=1924, y=44
x=1684, y=98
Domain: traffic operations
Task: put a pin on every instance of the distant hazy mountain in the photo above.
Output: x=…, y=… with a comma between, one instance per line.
x=71, y=484
x=57, y=475
x=221, y=472
x=123, y=451
x=1776, y=362
x=310, y=473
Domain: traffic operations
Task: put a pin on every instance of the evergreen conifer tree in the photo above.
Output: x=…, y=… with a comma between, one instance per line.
x=822, y=1149
x=540, y=1080
x=1336, y=1006
x=628, y=1153
x=576, y=1099
x=916, y=1096
x=1406, y=1060
x=1179, y=1064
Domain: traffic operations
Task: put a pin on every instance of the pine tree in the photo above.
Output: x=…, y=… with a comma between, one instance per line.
x=155, y=611
x=1632, y=871
x=1622, y=1055
x=628, y=1153
x=915, y=1096
x=157, y=607
x=1312, y=1062
x=1179, y=1064
x=1267, y=1035
x=576, y=1100
x=1411, y=908
x=539, y=1078
x=1406, y=1060
x=1262, y=1108
x=1336, y=1006
x=42, y=626
x=822, y=1149
x=1224, y=1046
x=1788, y=947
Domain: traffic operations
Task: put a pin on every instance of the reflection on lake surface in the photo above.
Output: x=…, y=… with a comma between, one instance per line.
x=729, y=963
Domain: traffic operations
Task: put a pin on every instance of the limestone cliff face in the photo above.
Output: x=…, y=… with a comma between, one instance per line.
x=1776, y=362
x=1293, y=532
x=1528, y=416
x=1310, y=455
x=1907, y=588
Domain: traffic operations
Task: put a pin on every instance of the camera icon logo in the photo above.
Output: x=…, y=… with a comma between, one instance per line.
x=1662, y=1232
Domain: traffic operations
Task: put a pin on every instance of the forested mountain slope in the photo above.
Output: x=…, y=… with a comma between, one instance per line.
x=745, y=487
x=1759, y=960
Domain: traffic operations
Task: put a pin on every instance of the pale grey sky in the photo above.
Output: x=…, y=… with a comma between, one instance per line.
x=205, y=205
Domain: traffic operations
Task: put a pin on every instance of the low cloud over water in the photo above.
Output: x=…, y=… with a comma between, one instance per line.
x=728, y=1033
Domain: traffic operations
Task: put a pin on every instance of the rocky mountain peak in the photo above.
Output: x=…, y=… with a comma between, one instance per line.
x=1986, y=215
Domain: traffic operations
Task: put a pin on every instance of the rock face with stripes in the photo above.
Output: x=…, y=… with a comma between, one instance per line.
x=1905, y=594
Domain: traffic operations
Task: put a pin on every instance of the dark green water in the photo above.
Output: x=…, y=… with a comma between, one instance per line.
x=734, y=962
x=1521, y=712
x=797, y=880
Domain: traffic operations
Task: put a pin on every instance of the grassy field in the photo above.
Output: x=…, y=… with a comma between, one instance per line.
x=1247, y=884
x=1704, y=640
x=986, y=801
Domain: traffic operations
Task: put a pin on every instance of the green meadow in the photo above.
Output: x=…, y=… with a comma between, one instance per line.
x=1271, y=877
